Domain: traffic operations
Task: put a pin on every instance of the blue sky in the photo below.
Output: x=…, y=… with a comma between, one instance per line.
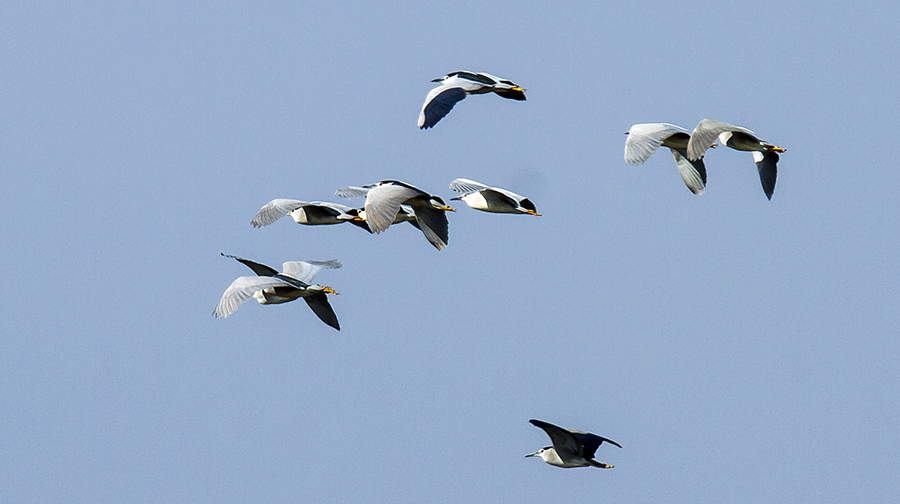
x=740, y=350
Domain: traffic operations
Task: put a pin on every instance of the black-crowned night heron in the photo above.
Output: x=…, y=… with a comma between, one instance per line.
x=315, y=213
x=456, y=86
x=491, y=199
x=570, y=448
x=765, y=155
x=644, y=139
x=272, y=287
x=405, y=214
x=385, y=200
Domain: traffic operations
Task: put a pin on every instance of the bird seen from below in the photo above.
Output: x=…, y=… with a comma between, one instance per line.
x=570, y=448
x=385, y=200
x=491, y=199
x=765, y=155
x=644, y=139
x=272, y=287
x=316, y=213
x=456, y=86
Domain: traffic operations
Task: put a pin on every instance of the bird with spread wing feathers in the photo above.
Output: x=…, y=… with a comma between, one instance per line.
x=456, y=86
x=765, y=155
x=491, y=199
x=570, y=448
x=385, y=200
x=316, y=213
x=272, y=287
x=644, y=139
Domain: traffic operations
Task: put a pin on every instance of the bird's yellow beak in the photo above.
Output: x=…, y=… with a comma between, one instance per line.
x=358, y=219
x=532, y=212
x=447, y=209
x=329, y=290
x=713, y=146
x=517, y=88
x=777, y=149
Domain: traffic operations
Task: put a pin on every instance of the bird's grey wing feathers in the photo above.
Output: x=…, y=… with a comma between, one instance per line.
x=324, y=211
x=644, y=139
x=434, y=226
x=706, y=133
x=438, y=103
x=322, y=309
x=274, y=210
x=591, y=442
x=351, y=192
x=242, y=289
x=467, y=186
x=768, y=171
x=692, y=172
x=306, y=271
x=565, y=443
x=259, y=269
x=509, y=194
x=383, y=202
x=500, y=197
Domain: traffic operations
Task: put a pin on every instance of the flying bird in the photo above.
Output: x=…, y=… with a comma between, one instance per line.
x=644, y=139
x=570, y=448
x=385, y=199
x=315, y=213
x=765, y=155
x=272, y=287
x=491, y=199
x=456, y=86
x=405, y=214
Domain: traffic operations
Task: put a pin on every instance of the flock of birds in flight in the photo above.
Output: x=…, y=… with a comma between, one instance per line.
x=391, y=202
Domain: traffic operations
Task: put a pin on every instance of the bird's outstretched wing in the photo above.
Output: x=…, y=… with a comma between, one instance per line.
x=706, y=133
x=644, y=139
x=692, y=172
x=439, y=103
x=768, y=171
x=383, y=202
x=351, y=192
x=591, y=442
x=467, y=186
x=434, y=225
x=322, y=309
x=306, y=271
x=274, y=210
x=242, y=289
x=259, y=269
x=564, y=442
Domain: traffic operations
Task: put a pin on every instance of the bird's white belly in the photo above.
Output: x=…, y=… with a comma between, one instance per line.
x=477, y=201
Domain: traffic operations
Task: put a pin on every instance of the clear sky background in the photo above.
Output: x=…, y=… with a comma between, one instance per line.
x=740, y=350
